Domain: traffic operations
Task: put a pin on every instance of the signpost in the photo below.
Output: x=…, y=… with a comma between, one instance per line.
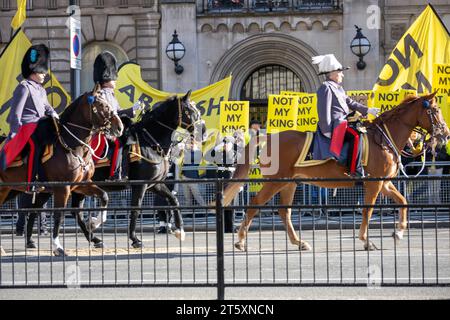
x=75, y=53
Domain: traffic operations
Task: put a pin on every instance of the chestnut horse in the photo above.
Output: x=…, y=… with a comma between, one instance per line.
x=397, y=123
x=72, y=157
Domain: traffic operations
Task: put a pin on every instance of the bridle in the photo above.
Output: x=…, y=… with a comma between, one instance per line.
x=436, y=129
x=106, y=122
x=103, y=128
x=181, y=123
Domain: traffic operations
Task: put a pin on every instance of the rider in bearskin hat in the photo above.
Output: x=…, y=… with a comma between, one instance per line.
x=105, y=73
x=29, y=105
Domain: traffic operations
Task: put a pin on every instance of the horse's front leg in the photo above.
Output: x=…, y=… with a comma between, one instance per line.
x=137, y=195
x=164, y=191
x=389, y=190
x=371, y=191
x=61, y=195
x=93, y=190
x=78, y=202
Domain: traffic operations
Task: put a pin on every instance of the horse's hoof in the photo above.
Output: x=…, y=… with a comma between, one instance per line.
x=137, y=244
x=31, y=245
x=180, y=234
x=240, y=246
x=304, y=246
x=59, y=252
x=397, y=235
x=99, y=245
x=370, y=246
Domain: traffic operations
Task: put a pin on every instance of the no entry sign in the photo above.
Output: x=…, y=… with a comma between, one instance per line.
x=75, y=43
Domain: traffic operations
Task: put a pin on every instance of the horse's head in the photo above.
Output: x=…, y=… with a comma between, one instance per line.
x=189, y=117
x=431, y=119
x=102, y=115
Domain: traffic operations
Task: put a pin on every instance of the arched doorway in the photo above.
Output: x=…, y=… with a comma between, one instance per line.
x=266, y=80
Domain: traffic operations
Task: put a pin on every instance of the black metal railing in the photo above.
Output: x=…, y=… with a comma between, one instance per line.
x=208, y=257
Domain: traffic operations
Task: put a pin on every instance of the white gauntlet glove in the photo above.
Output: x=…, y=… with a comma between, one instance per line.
x=53, y=114
x=137, y=106
x=373, y=111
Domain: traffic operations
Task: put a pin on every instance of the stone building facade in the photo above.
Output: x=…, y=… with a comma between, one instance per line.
x=265, y=44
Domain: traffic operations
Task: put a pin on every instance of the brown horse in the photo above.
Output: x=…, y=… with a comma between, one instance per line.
x=72, y=156
x=383, y=162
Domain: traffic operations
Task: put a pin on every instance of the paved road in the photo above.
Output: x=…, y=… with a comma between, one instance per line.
x=423, y=257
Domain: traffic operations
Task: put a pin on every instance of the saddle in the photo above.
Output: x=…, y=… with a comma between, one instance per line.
x=135, y=153
x=14, y=152
x=306, y=155
x=22, y=159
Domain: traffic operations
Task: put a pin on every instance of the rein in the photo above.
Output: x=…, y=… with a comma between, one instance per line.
x=435, y=128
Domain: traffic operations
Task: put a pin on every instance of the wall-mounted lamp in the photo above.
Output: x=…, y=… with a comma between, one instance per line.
x=360, y=46
x=175, y=51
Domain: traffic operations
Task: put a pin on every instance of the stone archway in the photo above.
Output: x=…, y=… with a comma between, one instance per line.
x=263, y=49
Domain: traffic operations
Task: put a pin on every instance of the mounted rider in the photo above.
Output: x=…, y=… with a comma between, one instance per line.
x=105, y=73
x=333, y=106
x=29, y=105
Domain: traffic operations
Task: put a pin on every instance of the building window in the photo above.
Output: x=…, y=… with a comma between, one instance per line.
x=52, y=4
x=5, y=5
x=270, y=79
x=270, y=5
x=225, y=5
x=90, y=52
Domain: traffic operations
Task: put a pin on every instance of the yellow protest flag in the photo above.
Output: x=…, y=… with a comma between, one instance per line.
x=234, y=115
x=11, y=75
x=282, y=113
x=21, y=14
x=410, y=65
x=130, y=87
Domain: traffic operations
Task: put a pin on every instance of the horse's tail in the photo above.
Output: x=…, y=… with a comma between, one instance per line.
x=242, y=170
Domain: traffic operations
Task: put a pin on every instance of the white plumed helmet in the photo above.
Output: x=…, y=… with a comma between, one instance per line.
x=328, y=63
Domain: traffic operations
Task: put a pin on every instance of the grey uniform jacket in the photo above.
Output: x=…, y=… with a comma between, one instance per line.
x=333, y=105
x=29, y=104
x=108, y=95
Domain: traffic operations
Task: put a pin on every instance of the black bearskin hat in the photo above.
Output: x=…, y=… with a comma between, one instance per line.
x=105, y=67
x=35, y=60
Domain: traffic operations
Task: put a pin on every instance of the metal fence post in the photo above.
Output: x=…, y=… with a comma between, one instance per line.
x=219, y=240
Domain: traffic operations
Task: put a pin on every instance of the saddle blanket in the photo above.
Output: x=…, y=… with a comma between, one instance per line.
x=306, y=160
x=20, y=160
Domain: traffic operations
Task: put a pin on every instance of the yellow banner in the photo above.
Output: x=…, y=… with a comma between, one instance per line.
x=410, y=65
x=364, y=97
x=255, y=173
x=11, y=75
x=441, y=78
x=234, y=115
x=131, y=87
x=386, y=100
x=282, y=113
x=307, y=116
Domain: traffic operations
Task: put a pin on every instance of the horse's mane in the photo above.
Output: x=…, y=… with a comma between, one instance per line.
x=71, y=108
x=396, y=112
x=158, y=109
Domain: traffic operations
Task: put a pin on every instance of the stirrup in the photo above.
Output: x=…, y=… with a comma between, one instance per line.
x=35, y=189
